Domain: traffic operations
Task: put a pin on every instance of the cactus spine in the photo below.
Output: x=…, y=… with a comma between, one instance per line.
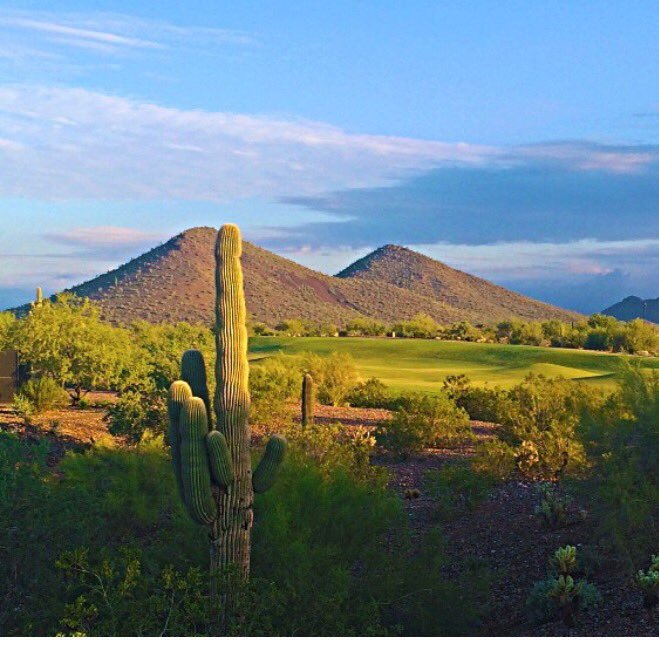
x=308, y=399
x=214, y=469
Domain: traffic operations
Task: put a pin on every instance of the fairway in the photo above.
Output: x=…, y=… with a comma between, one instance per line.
x=422, y=365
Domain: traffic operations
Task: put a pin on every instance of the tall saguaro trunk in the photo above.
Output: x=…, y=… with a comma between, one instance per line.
x=213, y=468
x=230, y=537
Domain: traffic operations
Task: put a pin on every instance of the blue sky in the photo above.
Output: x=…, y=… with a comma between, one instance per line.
x=516, y=140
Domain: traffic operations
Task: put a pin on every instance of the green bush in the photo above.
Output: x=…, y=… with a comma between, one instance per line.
x=539, y=419
x=623, y=441
x=335, y=376
x=138, y=410
x=480, y=403
x=274, y=383
x=373, y=393
x=457, y=488
x=424, y=421
x=496, y=459
x=44, y=393
x=103, y=547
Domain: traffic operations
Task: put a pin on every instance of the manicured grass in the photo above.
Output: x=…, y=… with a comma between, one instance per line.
x=418, y=364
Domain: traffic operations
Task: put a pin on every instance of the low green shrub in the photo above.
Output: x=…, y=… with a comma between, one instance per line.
x=274, y=383
x=373, y=393
x=480, y=403
x=457, y=488
x=622, y=436
x=424, y=421
x=539, y=419
x=138, y=410
x=495, y=458
x=43, y=393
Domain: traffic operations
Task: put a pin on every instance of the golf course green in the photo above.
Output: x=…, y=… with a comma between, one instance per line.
x=422, y=364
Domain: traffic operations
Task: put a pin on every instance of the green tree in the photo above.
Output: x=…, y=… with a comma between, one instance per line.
x=67, y=340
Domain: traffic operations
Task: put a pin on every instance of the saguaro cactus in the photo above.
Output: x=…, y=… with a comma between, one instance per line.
x=308, y=399
x=38, y=302
x=213, y=469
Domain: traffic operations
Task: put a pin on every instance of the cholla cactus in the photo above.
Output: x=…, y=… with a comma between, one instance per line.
x=213, y=467
x=527, y=458
x=648, y=582
x=565, y=560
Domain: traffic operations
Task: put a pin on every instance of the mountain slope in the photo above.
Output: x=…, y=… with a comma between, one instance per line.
x=474, y=296
x=634, y=307
x=174, y=282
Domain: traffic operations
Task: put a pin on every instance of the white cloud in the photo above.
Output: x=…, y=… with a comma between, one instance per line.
x=108, y=33
x=76, y=143
x=83, y=144
x=106, y=239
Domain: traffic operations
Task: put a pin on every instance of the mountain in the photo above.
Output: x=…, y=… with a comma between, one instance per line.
x=174, y=282
x=634, y=307
x=475, y=297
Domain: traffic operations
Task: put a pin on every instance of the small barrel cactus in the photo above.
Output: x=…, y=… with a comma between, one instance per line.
x=308, y=400
x=213, y=468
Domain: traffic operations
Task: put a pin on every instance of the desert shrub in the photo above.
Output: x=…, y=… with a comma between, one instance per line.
x=138, y=410
x=43, y=393
x=373, y=393
x=462, y=331
x=424, y=421
x=361, y=326
x=623, y=440
x=457, y=488
x=419, y=600
x=273, y=384
x=334, y=375
x=113, y=596
x=480, y=403
x=559, y=595
x=160, y=348
x=421, y=326
x=24, y=408
x=292, y=327
x=495, y=458
x=335, y=448
x=539, y=419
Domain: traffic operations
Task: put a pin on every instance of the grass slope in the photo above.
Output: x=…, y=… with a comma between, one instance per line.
x=419, y=364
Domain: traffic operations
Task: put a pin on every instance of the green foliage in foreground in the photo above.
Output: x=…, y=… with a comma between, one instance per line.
x=104, y=547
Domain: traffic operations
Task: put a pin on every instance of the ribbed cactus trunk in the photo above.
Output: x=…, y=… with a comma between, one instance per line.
x=307, y=400
x=230, y=536
x=213, y=468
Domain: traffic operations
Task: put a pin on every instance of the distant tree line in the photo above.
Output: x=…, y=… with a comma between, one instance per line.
x=598, y=332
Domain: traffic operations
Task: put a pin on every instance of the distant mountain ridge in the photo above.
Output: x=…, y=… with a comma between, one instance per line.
x=174, y=282
x=634, y=307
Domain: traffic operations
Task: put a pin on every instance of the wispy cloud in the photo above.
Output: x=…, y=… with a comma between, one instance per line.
x=49, y=34
x=76, y=35
x=81, y=144
x=107, y=241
